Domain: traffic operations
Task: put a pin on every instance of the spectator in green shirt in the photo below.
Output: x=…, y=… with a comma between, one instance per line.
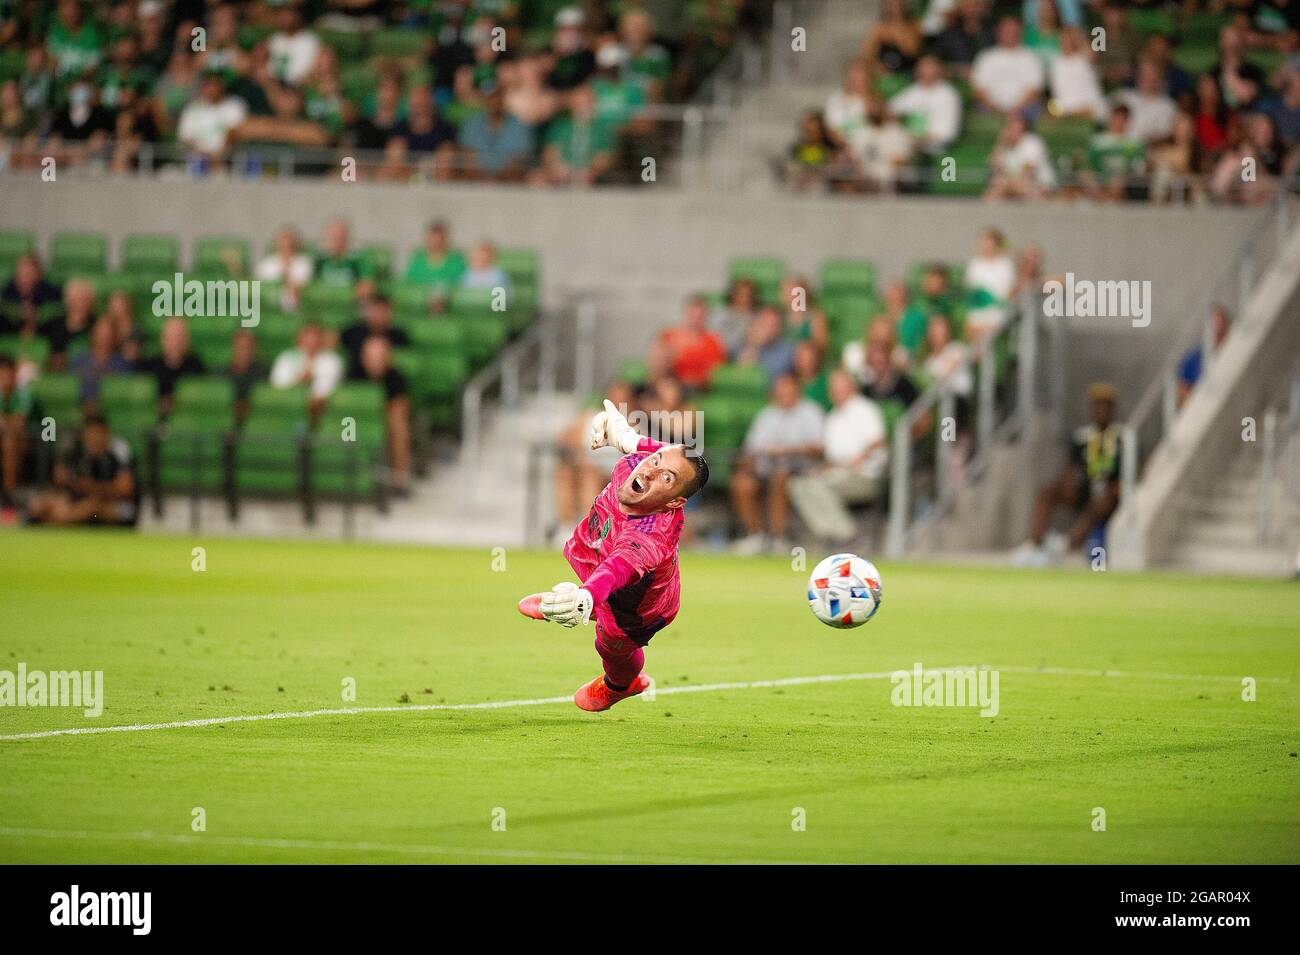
x=935, y=298
x=1114, y=158
x=437, y=265
x=580, y=148
x=75, y=43
x=647, y=64
x=339, y=265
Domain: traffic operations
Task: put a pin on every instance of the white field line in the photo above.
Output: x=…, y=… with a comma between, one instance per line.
x=665, y=691
x=257, y=842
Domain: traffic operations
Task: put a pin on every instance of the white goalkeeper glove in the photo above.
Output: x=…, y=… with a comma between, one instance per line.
x=610, y=429
x=568, y=605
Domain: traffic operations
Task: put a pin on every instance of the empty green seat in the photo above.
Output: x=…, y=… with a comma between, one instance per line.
x=397, y=43
x=474, y=301
x=847, y=277
x=740, y=381
x=155, y=254
x=380, y=258
x=436, y=335
x=35, y=350
x=222, y=255
x=14, y=244
x=484, y=337
x=58, y=396
x=211, y=394
x=78, y=253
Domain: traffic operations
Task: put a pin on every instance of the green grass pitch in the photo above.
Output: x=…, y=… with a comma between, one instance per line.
x=1186, y=771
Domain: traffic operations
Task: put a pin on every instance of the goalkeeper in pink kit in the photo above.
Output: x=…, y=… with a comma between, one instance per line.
x=625, y=555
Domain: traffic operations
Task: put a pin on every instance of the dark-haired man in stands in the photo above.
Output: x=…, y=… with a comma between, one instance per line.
x=175, y=362
x=94, y=484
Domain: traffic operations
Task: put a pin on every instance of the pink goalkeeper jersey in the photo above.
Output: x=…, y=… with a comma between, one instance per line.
x=643, y=552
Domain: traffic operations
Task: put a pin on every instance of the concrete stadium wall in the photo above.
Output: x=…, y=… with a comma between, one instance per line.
x=638, y=252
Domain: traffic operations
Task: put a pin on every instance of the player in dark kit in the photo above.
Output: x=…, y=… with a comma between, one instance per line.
x=625, y=555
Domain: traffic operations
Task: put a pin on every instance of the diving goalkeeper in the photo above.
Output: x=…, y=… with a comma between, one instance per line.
x=624, y=553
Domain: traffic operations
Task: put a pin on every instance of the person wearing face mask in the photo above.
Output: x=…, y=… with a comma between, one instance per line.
x=82, y=120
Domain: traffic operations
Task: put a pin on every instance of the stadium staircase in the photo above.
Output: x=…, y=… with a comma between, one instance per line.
x=1220, y=491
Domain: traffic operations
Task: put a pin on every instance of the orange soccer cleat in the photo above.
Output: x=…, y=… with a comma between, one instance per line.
x=531, y=606
x=596, y=696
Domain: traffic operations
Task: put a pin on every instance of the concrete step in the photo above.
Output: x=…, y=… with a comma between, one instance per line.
x=1236, y=561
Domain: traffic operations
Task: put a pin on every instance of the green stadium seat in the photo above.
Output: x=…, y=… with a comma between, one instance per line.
x=740, y=381
x=14, y=244
x=484, y=337
x=1151, y=21
x=348, y=45
x=398, y=43
x=473, y=301
x=211, y=394
x=130, y=403
x=1203, y=29
x=35, y=350
x=78, y=253
x=215, y=256
x=281, y=404
x=380, y=257
x=59, y=397
x=1196, y=58
x=192, y=445
x=766, y=273
x=520, y=264
x=345, y=468
x=320, y=300
x=723, y=421
x=847, y=277
x=267, y=459
x=436, y=335
x=158, y=255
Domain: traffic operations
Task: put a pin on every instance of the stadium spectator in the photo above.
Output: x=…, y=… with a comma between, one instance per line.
x=1192, y=367
x=689, y=351
x=1087, y=486
x=293, y=46
x=990, y=280
x=1175, y=81
x=880, y=147
x=894, y=41
x=74, y=41
x=1284, y=110
x=646, y=63
x=1115, y=158
x=206, y=122
x=101, y=360
x=527, y=95
x=382, y=113
x=337, y=264
x=784, y=441
x=127, y=335
x=377, y=323
x=1122, y=45
x=377, y=367
x=731, y=319
x=311, y=365
x=1073, y=80
x=246, y=370
x=931, y=107
x=495, y=144
x=853, y=467
x=93, y=484
x=483, y=272
x=286, y=125
x=846, y=108
x=1008, y=78
x=71, y=324
x=884, y=381
x=935, y=296
x=394, y=167
x=579, y=147
x=572, y=61
x=813, y=379
x=804, y=321
x=947, y=360
x=966, y=34
x=27, y=299
x=1151, y=112
x=437, y=265
x=1020, y=166
x=81, y=124
x=1246, y=173
x=17, y=407
x=766, y=345
x=425, y=132
x=882, y=329
x=620, y=99
x=1240, y=80
x=811, y=156
x=174, y=363
x=287, y=265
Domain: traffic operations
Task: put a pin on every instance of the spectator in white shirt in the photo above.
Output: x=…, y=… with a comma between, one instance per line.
x=483, y=271
x=855, y=459
x=206, y=122
x=1008, y=77
x=946, y=358
x=932, y=104
x=293, y=49
x=881, y=147
x=784, y=441
x=288, y=265
x=1021, y=166
x=1074, y=83
x=1152, y=114
x=309, y=364
x=846, y=108
x=990, y=278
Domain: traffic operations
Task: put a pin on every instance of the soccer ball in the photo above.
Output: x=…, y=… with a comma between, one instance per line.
x=844, y=591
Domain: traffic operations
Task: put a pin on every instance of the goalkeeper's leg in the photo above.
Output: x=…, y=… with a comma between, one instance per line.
x=622, y=659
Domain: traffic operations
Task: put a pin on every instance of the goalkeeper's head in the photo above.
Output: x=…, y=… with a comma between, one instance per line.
x=663, y=481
